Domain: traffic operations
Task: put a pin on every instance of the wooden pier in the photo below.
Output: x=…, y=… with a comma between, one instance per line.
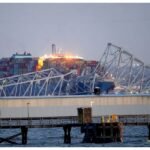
x=100, y=131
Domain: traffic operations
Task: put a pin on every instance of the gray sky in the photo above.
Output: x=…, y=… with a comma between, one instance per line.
x=83, y=29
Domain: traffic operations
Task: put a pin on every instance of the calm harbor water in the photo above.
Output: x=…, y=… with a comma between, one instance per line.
x=134, y=136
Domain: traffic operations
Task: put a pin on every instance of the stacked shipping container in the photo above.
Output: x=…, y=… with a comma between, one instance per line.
x=24, y=63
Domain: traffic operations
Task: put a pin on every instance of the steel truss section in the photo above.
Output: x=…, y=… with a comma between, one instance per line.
x=41, y=83
x=82, y=85
x=46, y=83
x=124, y=69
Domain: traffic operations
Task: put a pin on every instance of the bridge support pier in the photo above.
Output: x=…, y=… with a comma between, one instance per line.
x=149, y=132
x=24, y=131
x=67, y=136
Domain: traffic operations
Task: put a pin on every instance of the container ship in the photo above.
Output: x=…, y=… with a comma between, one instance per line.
x=25, y=63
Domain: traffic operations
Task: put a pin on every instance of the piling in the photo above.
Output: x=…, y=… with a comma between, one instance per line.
x=148, y=131
x=67, y=135
x=24, y=131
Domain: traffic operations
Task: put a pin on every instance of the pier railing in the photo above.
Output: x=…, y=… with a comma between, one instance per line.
x=37, y=122
x=44, y=122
